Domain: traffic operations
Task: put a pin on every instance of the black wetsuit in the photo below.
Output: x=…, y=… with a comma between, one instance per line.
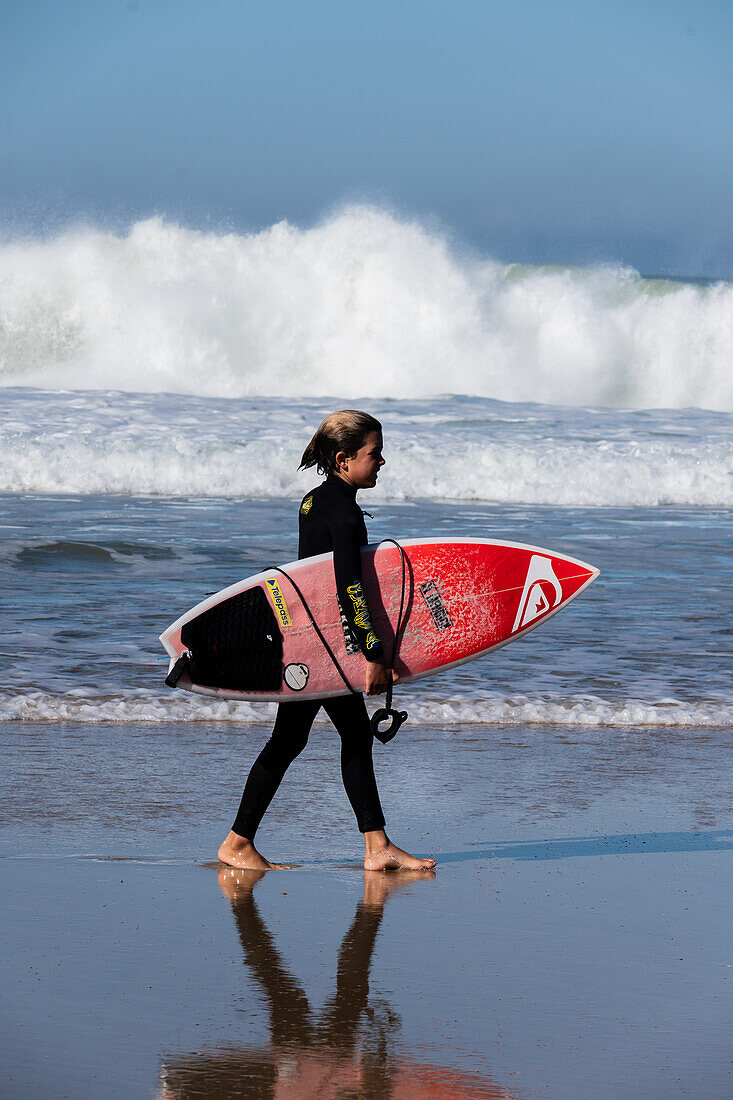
x=330, y=520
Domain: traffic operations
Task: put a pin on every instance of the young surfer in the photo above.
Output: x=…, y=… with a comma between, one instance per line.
x=347, y=448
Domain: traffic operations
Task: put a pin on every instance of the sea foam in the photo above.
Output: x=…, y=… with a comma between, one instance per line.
x=437, y=448
x=425, y=709
x=361, y=303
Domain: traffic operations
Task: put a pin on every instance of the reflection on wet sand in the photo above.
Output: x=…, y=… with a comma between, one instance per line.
x=351, y=1051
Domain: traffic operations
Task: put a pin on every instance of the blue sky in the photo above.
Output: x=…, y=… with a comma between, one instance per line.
x=546, y=131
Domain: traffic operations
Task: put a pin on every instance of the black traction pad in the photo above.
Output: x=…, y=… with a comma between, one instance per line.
x=236, y=645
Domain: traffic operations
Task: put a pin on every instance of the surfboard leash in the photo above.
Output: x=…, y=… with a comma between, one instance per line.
x=387, y=712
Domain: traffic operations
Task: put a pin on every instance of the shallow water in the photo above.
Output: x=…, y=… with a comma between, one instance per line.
x=91, y=581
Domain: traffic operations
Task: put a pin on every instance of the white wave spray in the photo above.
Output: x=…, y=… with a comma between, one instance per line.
x=362, y=303
x=437, y=448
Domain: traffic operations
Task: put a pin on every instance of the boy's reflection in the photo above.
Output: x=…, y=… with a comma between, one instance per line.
x=350, y=1052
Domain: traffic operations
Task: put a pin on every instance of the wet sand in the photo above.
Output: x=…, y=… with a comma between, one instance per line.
x=574, y=942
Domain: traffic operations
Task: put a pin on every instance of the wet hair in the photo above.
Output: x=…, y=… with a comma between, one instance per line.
x=345, y=430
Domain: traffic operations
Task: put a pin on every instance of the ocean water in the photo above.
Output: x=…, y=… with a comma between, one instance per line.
x=156, y=391
x=91, y=579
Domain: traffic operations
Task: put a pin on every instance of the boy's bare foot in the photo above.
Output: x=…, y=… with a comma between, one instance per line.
x=383, y=855
x=237, y=851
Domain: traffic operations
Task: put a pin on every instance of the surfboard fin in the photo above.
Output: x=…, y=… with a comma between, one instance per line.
x=177, y=671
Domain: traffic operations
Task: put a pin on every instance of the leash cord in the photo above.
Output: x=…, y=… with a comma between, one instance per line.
x=387, y=712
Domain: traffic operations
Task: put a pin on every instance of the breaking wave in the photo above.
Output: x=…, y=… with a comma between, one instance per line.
x=363, y=302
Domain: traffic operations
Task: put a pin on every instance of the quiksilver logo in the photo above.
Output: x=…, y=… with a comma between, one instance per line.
x=542, y=591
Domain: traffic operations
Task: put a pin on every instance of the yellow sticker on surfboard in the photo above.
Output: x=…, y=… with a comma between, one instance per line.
x=278, y=600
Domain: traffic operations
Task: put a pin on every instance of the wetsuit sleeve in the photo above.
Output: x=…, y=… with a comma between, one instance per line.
x=345, y=535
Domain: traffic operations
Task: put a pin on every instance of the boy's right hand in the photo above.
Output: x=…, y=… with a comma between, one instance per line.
x=378, y=677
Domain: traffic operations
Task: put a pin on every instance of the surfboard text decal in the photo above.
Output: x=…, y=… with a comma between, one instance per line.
x=279, y=601
x=436, y=607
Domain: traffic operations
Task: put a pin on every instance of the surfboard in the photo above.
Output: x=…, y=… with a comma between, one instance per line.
x=280, y=635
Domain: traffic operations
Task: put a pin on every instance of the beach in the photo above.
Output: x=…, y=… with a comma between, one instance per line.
x=502, y=231
x=574, y=787
x=574, y=940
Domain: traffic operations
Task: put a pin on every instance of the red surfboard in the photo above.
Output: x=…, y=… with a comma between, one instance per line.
x=279, y=635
